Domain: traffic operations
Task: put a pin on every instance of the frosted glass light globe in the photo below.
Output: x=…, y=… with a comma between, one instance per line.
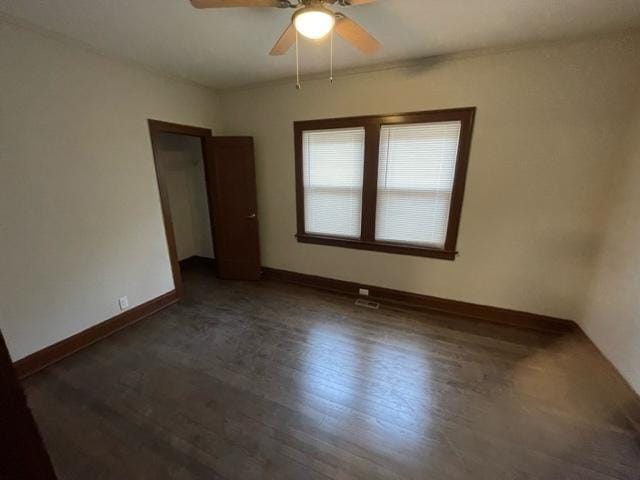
x=314, y=23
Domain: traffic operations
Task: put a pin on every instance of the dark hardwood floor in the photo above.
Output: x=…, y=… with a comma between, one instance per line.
x=270, y=381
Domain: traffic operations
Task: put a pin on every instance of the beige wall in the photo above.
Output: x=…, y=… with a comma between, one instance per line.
x=184, y=173
x=555, y=160
x=547, y=134
x=80, y=219
x=612, y=316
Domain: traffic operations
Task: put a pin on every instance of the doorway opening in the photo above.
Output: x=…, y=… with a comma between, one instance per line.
x=207, y=191
x=179, y=157
x=182, y=159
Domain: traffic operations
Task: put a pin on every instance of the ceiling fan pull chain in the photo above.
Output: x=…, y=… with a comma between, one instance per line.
x=297, y=64
x=331, y=73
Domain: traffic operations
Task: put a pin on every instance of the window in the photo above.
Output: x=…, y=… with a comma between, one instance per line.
x=415, y=178
x=388, y=183
x=333, y=163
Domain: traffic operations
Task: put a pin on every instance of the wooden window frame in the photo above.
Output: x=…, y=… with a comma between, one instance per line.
x=372, y=125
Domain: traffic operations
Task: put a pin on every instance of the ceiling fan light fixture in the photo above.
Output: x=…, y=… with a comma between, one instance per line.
x=314, y=22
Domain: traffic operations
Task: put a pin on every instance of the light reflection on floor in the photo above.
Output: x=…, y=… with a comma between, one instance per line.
x=386, y=393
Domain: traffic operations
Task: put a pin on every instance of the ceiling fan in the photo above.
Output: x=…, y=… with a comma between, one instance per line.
x=312, y=19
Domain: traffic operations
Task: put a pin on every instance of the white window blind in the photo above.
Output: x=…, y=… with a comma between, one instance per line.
x=332, y=174
x=415, y=178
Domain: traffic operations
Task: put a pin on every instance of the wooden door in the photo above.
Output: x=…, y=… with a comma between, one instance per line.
x=22, y=452
x=231, y=185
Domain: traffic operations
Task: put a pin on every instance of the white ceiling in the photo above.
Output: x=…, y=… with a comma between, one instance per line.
x=229, y=47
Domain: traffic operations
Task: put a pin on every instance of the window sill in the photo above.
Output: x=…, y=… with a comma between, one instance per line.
x=378, y=246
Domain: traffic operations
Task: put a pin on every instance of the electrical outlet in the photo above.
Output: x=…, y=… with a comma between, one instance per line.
x=123, y=302
x=363, y=291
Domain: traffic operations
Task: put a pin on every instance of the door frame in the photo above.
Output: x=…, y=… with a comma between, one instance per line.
x=157, y=127
x=23, y=453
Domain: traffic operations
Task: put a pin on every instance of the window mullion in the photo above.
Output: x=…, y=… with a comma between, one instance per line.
x=370, y=181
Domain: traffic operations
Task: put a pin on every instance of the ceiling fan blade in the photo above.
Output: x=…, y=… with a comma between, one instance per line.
x=234, y=3
x=356, y=35
x=285, y=41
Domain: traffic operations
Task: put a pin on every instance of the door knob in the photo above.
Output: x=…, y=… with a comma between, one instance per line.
x=253, y=215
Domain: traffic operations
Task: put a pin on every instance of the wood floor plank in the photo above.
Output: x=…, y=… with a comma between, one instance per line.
x=267, y=380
